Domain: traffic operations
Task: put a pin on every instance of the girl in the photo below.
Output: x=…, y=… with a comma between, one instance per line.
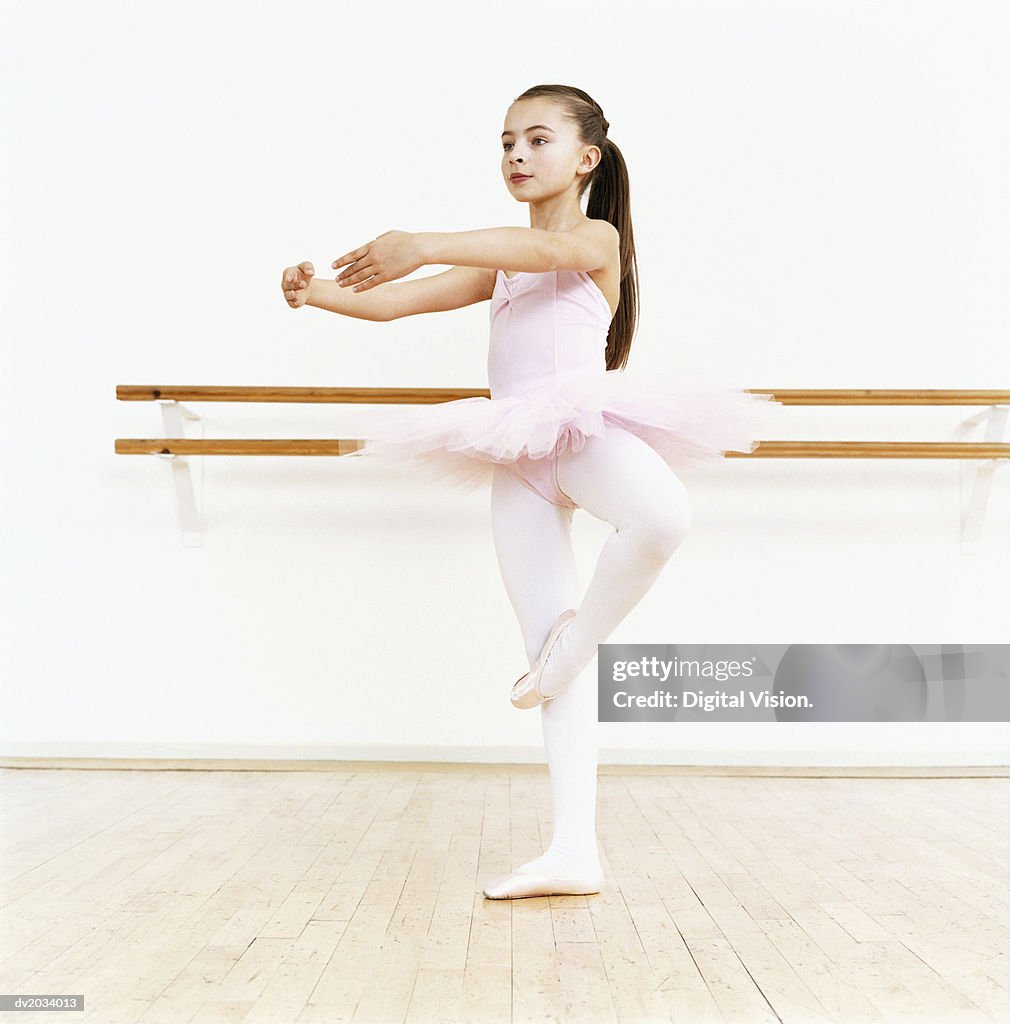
x=564, y=427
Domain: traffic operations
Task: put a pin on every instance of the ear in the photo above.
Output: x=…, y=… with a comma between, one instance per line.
x=590, y=159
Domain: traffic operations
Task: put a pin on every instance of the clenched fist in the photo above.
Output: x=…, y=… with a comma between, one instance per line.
x=295, y=283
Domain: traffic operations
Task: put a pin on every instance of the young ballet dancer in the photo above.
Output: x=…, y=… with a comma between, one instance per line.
x=565, y=428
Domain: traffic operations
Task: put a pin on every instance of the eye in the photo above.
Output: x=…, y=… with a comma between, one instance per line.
x=539, y=138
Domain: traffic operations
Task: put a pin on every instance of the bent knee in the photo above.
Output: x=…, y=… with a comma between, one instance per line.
x=659, y=537
x=666, y=536
x=663, y=532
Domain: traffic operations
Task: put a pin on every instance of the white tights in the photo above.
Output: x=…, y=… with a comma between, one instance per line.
x=621, y=479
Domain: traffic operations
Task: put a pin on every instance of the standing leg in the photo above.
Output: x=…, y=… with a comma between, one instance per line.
x=621, y=479
x=533, y=543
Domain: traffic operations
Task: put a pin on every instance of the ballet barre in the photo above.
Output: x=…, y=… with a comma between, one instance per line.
x=984, y=456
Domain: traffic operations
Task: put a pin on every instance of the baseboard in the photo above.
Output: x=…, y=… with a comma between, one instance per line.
x=976, y=762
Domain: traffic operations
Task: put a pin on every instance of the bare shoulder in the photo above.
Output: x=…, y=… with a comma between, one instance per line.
x=607, y=277
x=601, y=229
x=607, y=239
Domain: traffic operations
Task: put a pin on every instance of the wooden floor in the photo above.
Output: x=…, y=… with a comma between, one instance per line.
x=355, y=894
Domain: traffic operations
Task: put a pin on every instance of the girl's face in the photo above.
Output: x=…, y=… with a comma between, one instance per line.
x=539, y=142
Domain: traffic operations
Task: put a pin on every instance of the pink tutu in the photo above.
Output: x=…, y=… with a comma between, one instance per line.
x=459, y=443
x=551, y=391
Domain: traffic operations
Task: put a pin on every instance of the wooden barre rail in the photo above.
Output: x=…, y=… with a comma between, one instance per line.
x=425, y=396
x=991, y=452
x=430, y=396
x=764, y=450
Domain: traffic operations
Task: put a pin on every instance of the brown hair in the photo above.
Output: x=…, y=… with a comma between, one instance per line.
x=609, y=199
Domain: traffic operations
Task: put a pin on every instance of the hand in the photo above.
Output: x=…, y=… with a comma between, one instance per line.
x=295, y=283
x=391, y=255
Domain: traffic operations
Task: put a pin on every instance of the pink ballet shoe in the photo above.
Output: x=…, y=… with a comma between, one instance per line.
x=519, y=885
x=526, y=689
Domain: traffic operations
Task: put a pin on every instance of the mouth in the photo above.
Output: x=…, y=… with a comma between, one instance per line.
x=516, y=178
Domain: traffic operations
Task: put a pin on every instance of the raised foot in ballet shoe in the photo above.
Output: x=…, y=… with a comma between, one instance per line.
x=526, y=689
x=517, y=885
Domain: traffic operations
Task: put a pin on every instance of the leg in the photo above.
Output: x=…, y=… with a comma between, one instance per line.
x=533, y=543
x=619, y=478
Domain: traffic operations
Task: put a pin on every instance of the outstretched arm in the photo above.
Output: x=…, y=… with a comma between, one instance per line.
x=453, y=289
x=330, y=296
x=301, y=288
x=588, y=246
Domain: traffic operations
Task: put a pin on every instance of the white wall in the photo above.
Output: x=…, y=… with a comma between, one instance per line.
x=819, y=199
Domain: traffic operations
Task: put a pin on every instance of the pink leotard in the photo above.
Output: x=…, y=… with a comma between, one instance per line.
x=545, y=329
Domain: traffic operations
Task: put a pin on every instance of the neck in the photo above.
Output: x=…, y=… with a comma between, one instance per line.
x=559, y=213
